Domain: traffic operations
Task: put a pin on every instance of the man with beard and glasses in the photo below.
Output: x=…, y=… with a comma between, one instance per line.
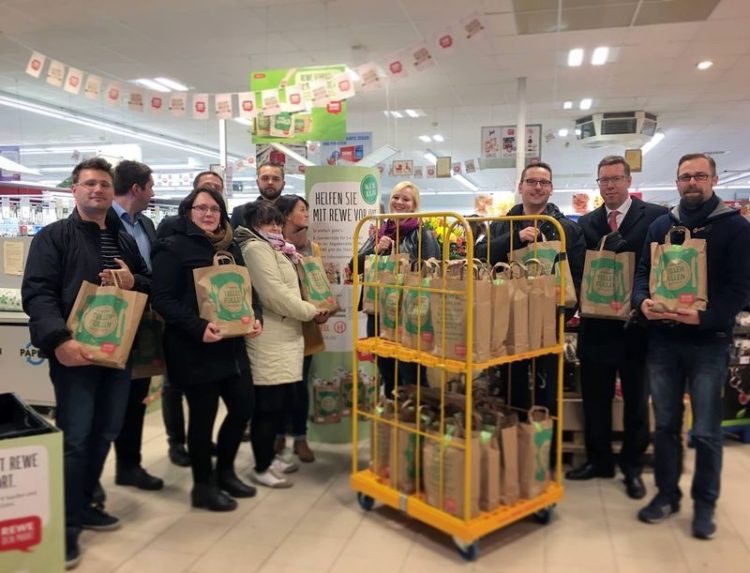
x=270, y=181
x=689, y=349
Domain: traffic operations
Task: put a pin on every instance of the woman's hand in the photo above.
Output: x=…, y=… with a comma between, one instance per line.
x=212, y=333
x=385, y=244
x=257, y=329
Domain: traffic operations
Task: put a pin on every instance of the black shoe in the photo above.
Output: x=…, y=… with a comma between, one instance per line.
x=231, y=484
x=72, y=555
x=214, y=449
x=590, y=471
x=704, y=522
x=658, y=510
x=179, y=456
x=211, y=498
x=98, y=496
x=634, y=487
x=140, y=478
x=99, y=520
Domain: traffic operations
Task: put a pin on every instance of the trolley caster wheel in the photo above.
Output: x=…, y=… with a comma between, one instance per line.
x=544, y=516
x=365, y=501
x=469, y=551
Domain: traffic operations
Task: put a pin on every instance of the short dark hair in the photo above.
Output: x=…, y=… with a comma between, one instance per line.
x=691, y=156
x=540, y=165
x=260, y=213
x=187, y=204
x=271, y=164
x=96, y=163
x=287, y=203
x=129, y=173
x=202, y=173
x=614, y=160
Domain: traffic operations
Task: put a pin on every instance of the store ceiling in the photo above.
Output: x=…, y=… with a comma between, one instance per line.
x=213, y=46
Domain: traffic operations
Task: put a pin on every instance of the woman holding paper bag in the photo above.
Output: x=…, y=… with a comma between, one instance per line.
x=276, y=357
x=416, y=242
x=199, y=358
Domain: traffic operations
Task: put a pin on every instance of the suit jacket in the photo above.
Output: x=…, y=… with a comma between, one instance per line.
x=148, y=226
x=607, y=340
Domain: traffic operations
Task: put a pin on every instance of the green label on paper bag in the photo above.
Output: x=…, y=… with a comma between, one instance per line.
x=102, y=321
x=228, y=294
x=282, y=122
x=676, y=273
x=316, y=282
x=542, y=441
x=605, y=283
x=545, y=256
x=417, y=316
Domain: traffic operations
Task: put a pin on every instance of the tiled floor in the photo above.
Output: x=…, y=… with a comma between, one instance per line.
x=317, y=526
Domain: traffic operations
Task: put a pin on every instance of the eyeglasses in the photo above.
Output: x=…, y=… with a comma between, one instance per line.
x=203, y=209
x=267, y=178
x=617, y=179
x=535, y=182
x=686, y=177
x=92, y=183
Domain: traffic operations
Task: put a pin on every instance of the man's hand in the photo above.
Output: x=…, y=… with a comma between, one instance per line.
x=212, y=333
x=257, y=329
x=322, y=317
x=528, y=234
x=646, y=306
x=385, y=244
x=124, y=276
x=683, y=315
x=73, y=353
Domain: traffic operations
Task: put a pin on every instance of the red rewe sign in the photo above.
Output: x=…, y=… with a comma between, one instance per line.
x=334, y=107
x=156, y=102
x=396, y=67
x=200, y=106
x=20, y=533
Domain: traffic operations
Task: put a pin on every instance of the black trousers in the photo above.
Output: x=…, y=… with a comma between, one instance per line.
x=203, y=402
x=172, y=413
x=272, y=405
x=297, y=413
x=407, y=371
x=598, y=389
x=542, y=392
x=128, y=443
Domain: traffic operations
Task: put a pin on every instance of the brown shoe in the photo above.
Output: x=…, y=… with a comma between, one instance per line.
x=279, y=444
x=303, y=451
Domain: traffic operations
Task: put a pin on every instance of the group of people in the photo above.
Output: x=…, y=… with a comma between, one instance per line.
x=261, y=378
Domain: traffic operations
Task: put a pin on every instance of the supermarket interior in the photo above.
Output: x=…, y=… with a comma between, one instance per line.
x=480, y=344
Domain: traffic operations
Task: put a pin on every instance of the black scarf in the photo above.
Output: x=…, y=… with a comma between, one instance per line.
x=693, y=215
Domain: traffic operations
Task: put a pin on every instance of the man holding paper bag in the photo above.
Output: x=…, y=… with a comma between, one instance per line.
x=90, y=245
x=607, y=346
x=689, y=346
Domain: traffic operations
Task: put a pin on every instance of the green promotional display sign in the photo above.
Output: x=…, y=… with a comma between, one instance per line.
x=320, y=123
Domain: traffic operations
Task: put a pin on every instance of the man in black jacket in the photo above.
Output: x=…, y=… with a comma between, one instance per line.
x=270, y=181
x=134, y=189
x=608, y=347
x=90, y=400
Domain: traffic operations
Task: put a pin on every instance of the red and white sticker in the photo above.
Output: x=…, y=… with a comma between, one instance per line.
x=36, y=64
x=247, y=105
x=200, y=106
x=73, y=81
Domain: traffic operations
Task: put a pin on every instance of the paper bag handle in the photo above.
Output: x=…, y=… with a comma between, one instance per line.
x=223, y=258
x=536, y=264
x=668, y=236
x=116, y=274
x=538, y=410
x=496, y=270
x=516, y=265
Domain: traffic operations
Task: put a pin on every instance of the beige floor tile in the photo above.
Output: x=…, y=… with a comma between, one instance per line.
x=313, y=552
x=657, y=542
x=157, y=561
x=190, y=535
x=567, y=546
x=230, y=556
x=331, y=521
x=113, y=547
x=258, y=530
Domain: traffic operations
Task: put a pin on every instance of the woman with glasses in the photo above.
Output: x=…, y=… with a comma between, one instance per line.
x=276, y=357
x=205, y=365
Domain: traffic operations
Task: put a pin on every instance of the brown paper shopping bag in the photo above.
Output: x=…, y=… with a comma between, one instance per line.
x=380, y=439
x=548, y=252
x=510, y=489
x=417, y=331
x=542, y=306
x=390, y=305
x=405, y=450
x=105, y=319
x=517, y=340
x=314, y=284
x=678, y=273
x=450, y=312
x=374, y=266
x=500, y=297
x=148, y=351
x=489, y=442
x=224, y=294
x=327, y=401
x=314, y=342
x=607, y=283
x=534, y=442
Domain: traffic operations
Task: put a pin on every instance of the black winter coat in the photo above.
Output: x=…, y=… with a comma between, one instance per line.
x=180, y=247
x=61, y=256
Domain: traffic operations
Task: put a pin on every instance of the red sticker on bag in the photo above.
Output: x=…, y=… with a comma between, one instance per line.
x=687, y=298
x=20, y=533
x=245, y=320
x=460, y=350
x=108, y=347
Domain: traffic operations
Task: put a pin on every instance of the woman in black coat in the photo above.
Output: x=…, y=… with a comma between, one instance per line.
x=199, y=360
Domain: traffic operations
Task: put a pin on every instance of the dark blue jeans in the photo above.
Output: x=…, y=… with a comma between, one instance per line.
x=90, y=408
x=700, y=368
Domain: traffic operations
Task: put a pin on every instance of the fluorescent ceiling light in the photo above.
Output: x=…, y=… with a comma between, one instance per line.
x=578, y=131
x=563, y=132
x=63, y=149
x=172, y=84
x=648, y=146
x=411, y=113
x=293, y=154
x=354, y=76
x=8, y=165
x=704, y=65
x=431, y=157
x=439, y=138
x=465, y=182
x=735, y=178
x=585, y=103
x=425, y=138
x=111, y=127
x=152, y=85
x=397, y=114
x=599, y=57
x=242, y=120
x=575, y=57
x=454, y=193
x=378, y=156
x=568, y=105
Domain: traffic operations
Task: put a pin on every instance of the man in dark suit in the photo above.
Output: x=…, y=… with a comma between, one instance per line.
x=608, y=347
x=270, y=181
x=134, y=189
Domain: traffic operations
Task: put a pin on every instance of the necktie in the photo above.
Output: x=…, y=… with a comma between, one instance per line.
x=612, y=220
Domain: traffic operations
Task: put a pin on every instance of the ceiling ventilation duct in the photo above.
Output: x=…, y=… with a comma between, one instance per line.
x=626, y=128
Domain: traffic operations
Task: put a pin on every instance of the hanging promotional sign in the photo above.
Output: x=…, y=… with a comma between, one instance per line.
x=356, y=146
x=498, y=146
x=323, y=119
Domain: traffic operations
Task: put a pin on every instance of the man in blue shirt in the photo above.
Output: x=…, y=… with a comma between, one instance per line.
x=134, y=189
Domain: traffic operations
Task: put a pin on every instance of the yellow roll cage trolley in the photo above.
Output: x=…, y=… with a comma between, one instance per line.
x=466, y=530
